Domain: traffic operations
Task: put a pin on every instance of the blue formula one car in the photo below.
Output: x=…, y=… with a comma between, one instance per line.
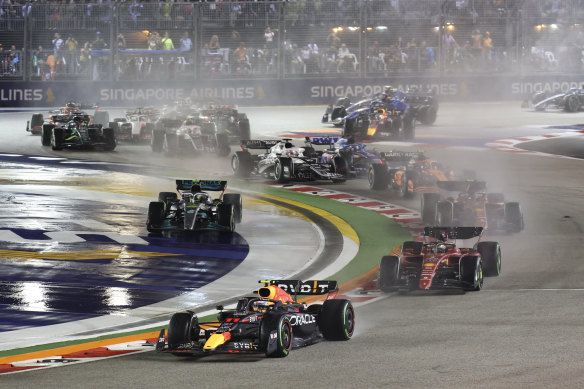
x=345, y=157
x=194, y=210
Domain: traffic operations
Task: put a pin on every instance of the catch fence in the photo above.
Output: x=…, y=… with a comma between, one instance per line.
x=288, y=39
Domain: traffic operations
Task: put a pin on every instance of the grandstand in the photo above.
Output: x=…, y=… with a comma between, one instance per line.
x=288, y=39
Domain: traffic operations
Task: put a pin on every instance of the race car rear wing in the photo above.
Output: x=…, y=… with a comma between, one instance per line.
x=66, y=118
x=462, y=186
x=211, y=185
x=396, y=156
x=258, y=144
x=306, y=288
x=453, y=232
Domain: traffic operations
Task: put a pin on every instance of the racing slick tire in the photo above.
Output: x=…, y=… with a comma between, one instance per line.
x=182, y=328
x=513, y=217
x=109, y=137
x=491, y=258
x=377, y=177
x=171, y=144
x=571, y=103
x=387, y=277
x=279, y=323
x=538, y=97
x=283, y=170
x=340, y=166
x=336, y=320
x=155, y=216
x=36, y=120
x=338, y=112
x=406, y=187
x=471, y=273
x=428, y=115
x=57, y=138
x=241, y=163
x=444, y=214
x=157, y=141
x=429, y=202
x=244, y=130
x=223, y=148
x=235, y=200
x=46, y=134
x=492, y=212
x=226, y=216
x=414, y=247
x=409, y=128
x=115, y=126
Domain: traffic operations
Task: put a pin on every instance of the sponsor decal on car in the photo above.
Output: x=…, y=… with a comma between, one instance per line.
x=299, y=320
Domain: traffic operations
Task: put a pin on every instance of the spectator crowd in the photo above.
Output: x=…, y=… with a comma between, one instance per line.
x=101, y=38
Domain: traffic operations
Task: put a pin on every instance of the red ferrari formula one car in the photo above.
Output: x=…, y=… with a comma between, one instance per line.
x=271, y=323
x=440, y=263
x=467, y=203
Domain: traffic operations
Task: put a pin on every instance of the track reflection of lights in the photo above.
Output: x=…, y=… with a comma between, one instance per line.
x=33, y=296
x=117, y=297
x=381, y=28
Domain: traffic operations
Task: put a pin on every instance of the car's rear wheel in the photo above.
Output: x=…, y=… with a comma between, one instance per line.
x=429, y=201
x=337, y=319
x=57, y=138
x=388, y=275
x=226, y=216
x=223, y=148
x=572, y=103
x=283, y=170
x=109, y=138
x=340, y=166
x=36, y=121
x=406, y=185
x=157, y=141
x=471, y=273
x=514, y=217
x=491, y=257
x=444, y=214
x=241, y=163
x=235, y=200
x=244, y=130
x=377, y=177
x=171, y=145
x=409, y=128
x=46, y=134
x=155, y=216
x=428, y=115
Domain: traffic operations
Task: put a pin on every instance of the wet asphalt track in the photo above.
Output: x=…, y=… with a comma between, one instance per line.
x=524, y=329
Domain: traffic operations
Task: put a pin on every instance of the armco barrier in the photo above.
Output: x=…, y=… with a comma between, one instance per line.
x=274, y=92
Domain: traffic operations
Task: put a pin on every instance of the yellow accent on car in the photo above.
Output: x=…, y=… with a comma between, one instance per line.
x=371, y=131
x=216, y=340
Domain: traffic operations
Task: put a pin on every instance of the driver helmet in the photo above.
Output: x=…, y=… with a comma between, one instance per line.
x=441, y=248
x=389, y=91
x=260, y=306
x=196, y=188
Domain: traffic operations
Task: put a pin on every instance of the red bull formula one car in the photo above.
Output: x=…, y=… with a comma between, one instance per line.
x=440, y=262
x=272, y=322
